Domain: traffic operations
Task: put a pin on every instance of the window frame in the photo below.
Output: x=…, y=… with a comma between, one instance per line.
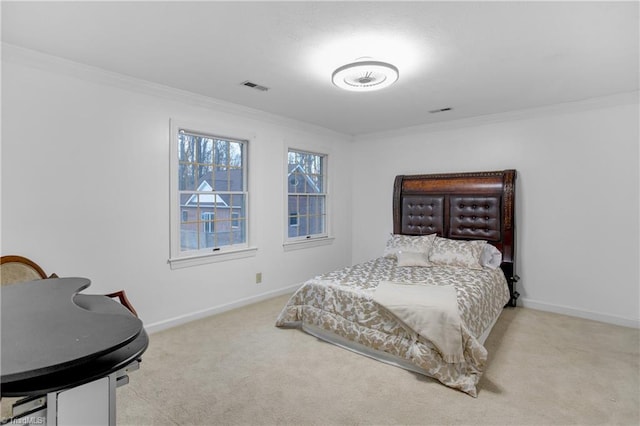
x=314, y=240
x=184, y=258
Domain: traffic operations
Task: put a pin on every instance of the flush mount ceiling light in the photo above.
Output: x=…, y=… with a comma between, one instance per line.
x=365, y=76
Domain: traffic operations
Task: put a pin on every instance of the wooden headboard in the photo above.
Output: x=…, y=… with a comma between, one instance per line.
x=467, y=206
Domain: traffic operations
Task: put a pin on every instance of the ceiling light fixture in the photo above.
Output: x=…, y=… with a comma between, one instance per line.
x=365, y=76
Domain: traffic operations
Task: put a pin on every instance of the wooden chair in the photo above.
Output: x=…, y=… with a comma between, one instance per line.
x=122, y=297
x=17, y=269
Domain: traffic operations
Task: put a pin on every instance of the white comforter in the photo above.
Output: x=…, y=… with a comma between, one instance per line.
x=342, y=303
x=431, y=311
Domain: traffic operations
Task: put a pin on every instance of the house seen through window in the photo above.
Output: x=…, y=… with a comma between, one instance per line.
x=306, y=195
x=212, y=191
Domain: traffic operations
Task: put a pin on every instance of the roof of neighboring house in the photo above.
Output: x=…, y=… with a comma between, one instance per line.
x=208, y=196
x=208, y=199
x=298, y=170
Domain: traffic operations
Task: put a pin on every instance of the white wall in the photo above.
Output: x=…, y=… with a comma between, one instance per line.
x=85, y=158
x=577, y=196
x=85, y=189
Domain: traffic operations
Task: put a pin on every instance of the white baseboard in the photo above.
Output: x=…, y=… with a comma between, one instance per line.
x=192, y=316
x=566, y=310
x=524, y=302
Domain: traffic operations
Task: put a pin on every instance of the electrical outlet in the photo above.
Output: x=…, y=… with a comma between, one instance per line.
x=258, y=277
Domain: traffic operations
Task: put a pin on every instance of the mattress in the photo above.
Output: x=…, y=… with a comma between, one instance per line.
x=338, y=307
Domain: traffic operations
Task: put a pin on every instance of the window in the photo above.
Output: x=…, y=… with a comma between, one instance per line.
x=293, y=219
x=235, y=219
x=209, y=193
x=208, y=222
x=306, y=195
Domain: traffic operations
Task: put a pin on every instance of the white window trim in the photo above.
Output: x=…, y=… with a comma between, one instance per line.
x=310, y=241
x=203, y=259
x=307, y=243
x=178, y=259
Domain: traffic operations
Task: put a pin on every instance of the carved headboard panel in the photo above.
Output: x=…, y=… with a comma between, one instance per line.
x=467, y=206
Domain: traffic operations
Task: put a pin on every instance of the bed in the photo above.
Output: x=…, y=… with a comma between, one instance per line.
x=431, y=299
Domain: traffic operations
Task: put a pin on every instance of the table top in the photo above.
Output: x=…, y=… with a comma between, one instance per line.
x=49, y=330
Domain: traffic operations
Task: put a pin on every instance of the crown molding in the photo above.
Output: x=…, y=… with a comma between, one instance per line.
x=34, y=59
x=19, y=55
x=618, y=99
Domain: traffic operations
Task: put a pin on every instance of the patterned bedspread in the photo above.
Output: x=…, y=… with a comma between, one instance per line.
x=341, y=302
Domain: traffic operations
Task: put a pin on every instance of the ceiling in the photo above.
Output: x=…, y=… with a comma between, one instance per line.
x=477, y=58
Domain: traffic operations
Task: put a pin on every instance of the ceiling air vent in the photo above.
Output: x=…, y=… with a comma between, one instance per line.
x=434, y=111
x=255, y=86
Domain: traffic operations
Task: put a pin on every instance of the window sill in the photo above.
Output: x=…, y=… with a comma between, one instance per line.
x=203, y=259
x=307, y=243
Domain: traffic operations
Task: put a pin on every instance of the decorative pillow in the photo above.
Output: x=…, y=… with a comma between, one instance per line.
x=490, y=257
x=413, y=243
x=466, y=254
x=413, y=258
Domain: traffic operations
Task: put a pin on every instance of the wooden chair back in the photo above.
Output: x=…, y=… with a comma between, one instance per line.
x=18, y=269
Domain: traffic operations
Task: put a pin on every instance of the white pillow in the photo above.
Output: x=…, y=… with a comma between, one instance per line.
x=447, y=252
x=413, y=243
x=413, y=258
x=490, y=257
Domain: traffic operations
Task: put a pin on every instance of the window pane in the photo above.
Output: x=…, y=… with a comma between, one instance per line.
x=186, y=151
x=318, y=181
x=228, y=161
x=293, y=205
x=238, y=220
x=221, y=180
x=303, y=228
x=316, y=225
x=235, y=154
x=296, y=182
x=293, y=216
x=212, y=192
x=230, y=179
x=204, y=155
x=213, y=220
x=236, y=179
x=221, y=159
x=316, y=205
x=207, y=240
x=208, y=222
x=305, y=185
x=317, y=216
x=305, y=173
x=186, y=177
x=188, y=236
x=204, y=177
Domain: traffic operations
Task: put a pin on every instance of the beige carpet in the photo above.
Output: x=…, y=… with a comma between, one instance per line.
x=237, y=368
